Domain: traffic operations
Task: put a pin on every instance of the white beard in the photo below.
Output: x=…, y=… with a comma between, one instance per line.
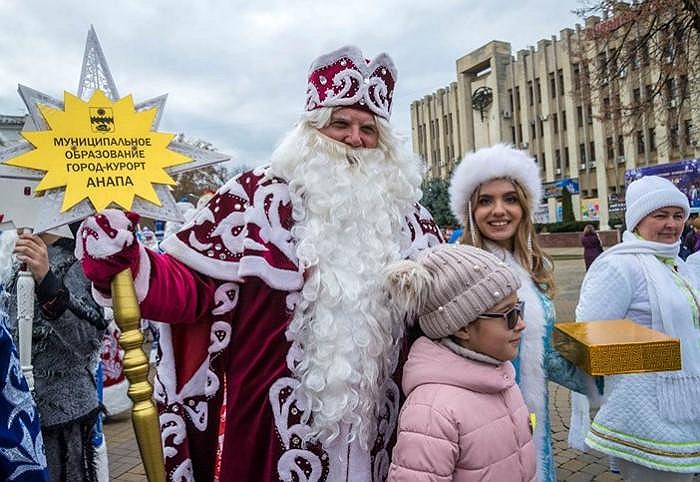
x=348, y=206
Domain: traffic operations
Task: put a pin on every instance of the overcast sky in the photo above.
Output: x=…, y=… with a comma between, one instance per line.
x=235, y=71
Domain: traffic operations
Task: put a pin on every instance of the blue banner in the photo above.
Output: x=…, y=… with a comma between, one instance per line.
x=684, y=174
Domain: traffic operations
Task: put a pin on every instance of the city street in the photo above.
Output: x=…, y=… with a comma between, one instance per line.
x=572, y=465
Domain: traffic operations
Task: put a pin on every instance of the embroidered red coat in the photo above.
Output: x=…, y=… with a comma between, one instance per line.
x=227, y=289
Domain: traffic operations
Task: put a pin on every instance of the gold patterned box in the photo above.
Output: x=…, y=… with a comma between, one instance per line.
x=614, y=347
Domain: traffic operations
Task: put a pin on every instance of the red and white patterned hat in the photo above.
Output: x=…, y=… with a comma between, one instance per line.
x=344, y=78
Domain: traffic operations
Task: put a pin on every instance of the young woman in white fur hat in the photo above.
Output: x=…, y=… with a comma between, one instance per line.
x=649, y=421
x=493, y=193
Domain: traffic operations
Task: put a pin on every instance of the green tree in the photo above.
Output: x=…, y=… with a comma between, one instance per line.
x=436, y=199
x=567, y=207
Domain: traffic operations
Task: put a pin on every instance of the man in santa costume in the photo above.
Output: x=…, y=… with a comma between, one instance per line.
x=279, y=357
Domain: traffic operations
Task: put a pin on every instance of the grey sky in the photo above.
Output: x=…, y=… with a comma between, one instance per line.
x=235, y=71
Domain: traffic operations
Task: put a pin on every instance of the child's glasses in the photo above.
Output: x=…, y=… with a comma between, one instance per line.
x=511, y=316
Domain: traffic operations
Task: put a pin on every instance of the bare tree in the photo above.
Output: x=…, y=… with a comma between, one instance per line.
x=643, y=60
x=192, y=184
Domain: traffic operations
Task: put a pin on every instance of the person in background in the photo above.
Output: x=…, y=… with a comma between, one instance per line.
x=592, y=247
x=66, y=340
x=494, y=192
x=691, y=240
x=650, y=421
x=464, y=417
x=22, y=456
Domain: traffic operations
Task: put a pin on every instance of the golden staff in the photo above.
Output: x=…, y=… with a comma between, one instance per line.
x=144, y=414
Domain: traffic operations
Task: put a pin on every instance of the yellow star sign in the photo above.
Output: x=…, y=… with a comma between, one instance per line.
x=101, y=150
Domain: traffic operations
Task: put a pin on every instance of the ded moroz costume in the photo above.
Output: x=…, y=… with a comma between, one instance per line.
x=277, y=359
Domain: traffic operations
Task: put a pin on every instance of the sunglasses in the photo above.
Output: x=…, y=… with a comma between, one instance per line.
x=511, y=316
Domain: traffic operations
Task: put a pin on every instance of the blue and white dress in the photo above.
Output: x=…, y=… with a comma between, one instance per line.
x=538, y=362
x=21, y=444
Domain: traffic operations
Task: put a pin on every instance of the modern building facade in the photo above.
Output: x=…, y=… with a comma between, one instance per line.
x=536, y=101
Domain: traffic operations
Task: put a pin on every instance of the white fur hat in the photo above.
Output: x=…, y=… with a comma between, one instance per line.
x=499, y=161
x=649, y=193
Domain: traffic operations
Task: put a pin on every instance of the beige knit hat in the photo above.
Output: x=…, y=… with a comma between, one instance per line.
x=448, y=286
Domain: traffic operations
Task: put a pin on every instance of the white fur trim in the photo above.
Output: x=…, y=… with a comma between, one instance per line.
x=141, y=281
x=142, y=278
x=489, y=163
x=533, y=379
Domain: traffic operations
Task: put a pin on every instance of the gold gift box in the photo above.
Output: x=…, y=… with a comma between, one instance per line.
x=614, y=347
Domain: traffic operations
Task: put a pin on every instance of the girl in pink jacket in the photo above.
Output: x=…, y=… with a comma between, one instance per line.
x=464, y=418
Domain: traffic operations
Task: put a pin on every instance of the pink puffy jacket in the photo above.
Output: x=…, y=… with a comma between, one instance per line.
x=463, y=420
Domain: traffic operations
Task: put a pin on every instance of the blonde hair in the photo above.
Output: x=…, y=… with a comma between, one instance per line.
x=526, y=249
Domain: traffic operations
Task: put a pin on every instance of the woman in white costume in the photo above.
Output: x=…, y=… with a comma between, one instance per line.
x=650, y=422
x=493, y=193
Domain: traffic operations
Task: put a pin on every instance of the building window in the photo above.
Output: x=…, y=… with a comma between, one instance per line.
x=592, y=153
x=620, y=146
x=552, y=85
x=644, y=54
x=533, y=133
x=512, y=134
x=634, y=57
x=563, y=120
x=589, y=114
x=673, y=135
x=541, y=125
x=560, y=76
x=651, y=133
x=610, y=147
x=566, y=158
x=683, y=86
x=640, y=142
x=530, y=93
x=555, y=123
x=520, y=132
x=538, y=90
x=687, y=128
x=510, y=98
x=577, y=76
x=603, y=67
x=579, y=115
x=557, y=158
x=637, y=96
x=517, y=97
x=582, y=152
x=606, y=108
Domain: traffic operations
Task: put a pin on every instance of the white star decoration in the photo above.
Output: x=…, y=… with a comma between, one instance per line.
x=95, y=75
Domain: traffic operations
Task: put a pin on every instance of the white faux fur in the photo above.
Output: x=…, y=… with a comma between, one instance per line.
x=406, y=283
x=533, y=379
x=499, y=161
x=349, y=209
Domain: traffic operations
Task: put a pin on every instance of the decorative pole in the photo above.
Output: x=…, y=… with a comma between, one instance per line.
x=25, y=322
x=144, y=413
